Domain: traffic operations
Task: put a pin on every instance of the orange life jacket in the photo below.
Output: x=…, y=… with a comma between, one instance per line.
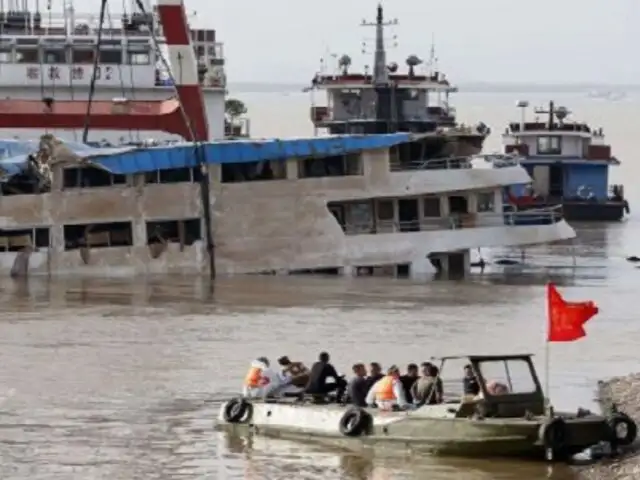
x=384, y=389
x=254, y=378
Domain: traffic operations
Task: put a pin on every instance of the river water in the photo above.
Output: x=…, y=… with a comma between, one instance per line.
x=122, y=379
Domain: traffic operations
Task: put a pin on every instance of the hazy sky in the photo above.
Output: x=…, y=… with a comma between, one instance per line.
x=490, y=40
x=510, y=40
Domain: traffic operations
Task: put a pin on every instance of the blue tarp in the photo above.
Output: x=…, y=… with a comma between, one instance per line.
x=242, y=151
x=129, y=160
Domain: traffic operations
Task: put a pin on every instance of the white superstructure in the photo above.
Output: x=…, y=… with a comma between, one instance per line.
x=50, y=52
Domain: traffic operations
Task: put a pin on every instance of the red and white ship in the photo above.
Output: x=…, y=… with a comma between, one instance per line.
x=48, y=59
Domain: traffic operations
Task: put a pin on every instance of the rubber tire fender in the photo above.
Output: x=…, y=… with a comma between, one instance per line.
x=553, y=434
x=632, y=429
x=354, y=422
x=237, y=409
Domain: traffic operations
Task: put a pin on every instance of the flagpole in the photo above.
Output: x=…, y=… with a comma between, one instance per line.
x=547, y=368
x=547, y=360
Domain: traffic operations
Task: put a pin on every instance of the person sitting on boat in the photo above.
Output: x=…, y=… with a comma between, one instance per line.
x=496, y=388
x=428, y=389
x=470, y=384
x=357, y=389
x=261, y=380
x=388, y=392
x=409, y=380
x=318, y=383
x=375, y=374
x=294, y=373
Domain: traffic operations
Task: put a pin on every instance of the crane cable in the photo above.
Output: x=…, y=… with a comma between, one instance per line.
x=94, y=74
x=131, y=78
x=167, y=67
x=72, y=91
x=120, y=76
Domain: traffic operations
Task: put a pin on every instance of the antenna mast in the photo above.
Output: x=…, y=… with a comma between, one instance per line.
x=380, y=73
x=433, y=60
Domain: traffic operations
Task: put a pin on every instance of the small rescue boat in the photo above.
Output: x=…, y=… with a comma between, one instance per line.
x=516, y=422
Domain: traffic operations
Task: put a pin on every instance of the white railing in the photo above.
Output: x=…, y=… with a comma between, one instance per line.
x=543, y=216
x=448, y=163
x=501, y=160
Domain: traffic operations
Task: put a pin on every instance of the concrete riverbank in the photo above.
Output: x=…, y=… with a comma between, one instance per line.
x=625, y=393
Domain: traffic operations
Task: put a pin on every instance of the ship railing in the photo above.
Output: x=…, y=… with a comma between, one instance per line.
x=543, y=216
x=501, y=160
x=449, y=163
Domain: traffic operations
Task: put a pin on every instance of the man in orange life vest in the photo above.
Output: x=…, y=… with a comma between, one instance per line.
x=388, y=392
x=261, y=380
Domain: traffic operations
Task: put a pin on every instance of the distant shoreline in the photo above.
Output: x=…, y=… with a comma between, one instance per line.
x=470, y=87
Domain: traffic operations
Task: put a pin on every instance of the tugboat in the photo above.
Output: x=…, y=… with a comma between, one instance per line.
x=569, y=164
x=386, y=101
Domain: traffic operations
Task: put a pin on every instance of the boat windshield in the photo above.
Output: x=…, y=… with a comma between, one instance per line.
x=509, y=376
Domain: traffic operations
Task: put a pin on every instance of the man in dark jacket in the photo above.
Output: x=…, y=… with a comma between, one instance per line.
x=320, y=372
x=409, y=379
x=357, y=389
x=375, y=374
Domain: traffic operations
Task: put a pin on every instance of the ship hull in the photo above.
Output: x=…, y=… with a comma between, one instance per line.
x=214, y=101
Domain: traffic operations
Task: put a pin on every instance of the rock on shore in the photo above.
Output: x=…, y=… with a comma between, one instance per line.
x=625, y=393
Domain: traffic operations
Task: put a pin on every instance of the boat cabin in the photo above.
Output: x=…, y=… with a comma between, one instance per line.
x=421, y=102
x=43, y=49
x=509, y=386
x=565, y=159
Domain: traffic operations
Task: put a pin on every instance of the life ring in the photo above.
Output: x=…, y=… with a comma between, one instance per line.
x=630, y=432
x=354, y=422
x=553, y=436
x=584, y=192
x=237, y=409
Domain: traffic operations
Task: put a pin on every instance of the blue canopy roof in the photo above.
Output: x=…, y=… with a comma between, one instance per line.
x=129, y=160
x=241, y=151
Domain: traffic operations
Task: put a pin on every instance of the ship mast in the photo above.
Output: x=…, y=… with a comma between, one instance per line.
x=385, y=91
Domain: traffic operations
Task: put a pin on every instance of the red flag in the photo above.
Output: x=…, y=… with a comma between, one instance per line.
x=567, y=319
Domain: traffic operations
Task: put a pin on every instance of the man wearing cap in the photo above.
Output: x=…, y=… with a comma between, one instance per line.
x=388, y=392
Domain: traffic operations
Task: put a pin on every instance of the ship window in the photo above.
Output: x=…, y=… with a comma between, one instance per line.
x=138, y=58
x=253, y=171
x=89, y=177
x=183, y=232
x=82, y=55
x=431, y=207
x=334, y=166
x=16, y=240
x=110, y=56
x=98, y=235
x=27, y=55
x=359, y=217
x=514, y=374
x=384, y=210
x=549, y=145
x=174, y=175
x=54, y=55
x=486, y=202
x=5, y=55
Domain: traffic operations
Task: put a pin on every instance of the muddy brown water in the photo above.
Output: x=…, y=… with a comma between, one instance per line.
x=121, y=379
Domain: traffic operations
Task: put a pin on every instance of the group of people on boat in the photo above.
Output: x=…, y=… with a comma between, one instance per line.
x=368, y=387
